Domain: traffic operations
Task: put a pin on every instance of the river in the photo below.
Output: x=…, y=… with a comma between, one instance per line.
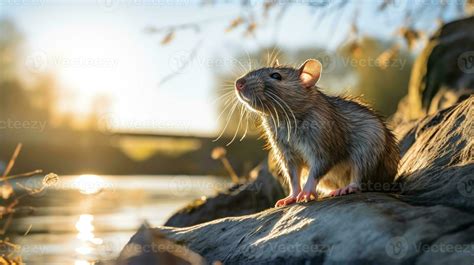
x=85, y=218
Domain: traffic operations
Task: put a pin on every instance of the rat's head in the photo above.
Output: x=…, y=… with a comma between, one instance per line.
x=271, y=89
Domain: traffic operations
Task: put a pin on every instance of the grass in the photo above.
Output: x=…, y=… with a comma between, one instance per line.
x=11, y=203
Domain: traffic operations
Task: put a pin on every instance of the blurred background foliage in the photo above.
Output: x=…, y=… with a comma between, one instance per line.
x=34, y=97
x=378, y=69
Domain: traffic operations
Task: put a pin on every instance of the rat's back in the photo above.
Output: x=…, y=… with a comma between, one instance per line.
x=373, y=150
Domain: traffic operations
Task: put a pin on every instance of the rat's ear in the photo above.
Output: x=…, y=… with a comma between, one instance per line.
x=310, y=72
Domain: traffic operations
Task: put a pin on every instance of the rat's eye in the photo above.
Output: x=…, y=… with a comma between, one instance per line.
x=276, y=76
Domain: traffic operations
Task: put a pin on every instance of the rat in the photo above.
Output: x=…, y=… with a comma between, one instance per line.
x=343, y=144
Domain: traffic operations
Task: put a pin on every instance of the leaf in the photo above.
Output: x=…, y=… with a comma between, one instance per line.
x=6, y=190
x=355, y=49
x=385, y=4
x=50, y=179
x=388, y=56
x=251, y=28
x=234, y=24
x=410, y=35
x=469, y=7
x=266, y=7
x=168, y=38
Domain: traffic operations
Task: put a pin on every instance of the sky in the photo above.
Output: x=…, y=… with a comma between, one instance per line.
x=101, y=49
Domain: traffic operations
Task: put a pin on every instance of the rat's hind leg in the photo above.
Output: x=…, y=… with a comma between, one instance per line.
x=353, y=179
x=351, y=188
x=364, y=157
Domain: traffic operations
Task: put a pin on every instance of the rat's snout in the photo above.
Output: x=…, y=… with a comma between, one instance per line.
x=240, y=84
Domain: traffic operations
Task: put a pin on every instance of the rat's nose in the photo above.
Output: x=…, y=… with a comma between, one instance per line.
x=240, y=84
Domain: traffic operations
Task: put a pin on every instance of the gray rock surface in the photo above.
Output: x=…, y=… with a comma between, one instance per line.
x=430, y=222
x=438, y=158
x=149, y=246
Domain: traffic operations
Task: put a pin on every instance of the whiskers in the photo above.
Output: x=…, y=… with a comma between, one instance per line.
x=288, y=118
x=280, y=114
x=272, y=58
x=232, y=104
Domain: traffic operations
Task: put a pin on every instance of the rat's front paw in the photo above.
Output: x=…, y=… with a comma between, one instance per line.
x=286, y=201
x=306, y=196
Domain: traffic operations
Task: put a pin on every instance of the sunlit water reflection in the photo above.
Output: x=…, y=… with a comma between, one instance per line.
x=90, y=184
x=87, y=218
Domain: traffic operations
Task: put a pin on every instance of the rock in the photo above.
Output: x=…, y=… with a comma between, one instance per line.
x=438, y=158
x=355, y=229
x=149, y=246
x=443, y=73
x=430, y=222
x=255, y=195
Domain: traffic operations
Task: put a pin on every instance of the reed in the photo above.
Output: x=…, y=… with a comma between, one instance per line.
x=11, y=204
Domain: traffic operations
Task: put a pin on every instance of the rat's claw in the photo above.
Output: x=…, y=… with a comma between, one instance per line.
x=286, y=201
x=351, y=188
x=306, y=196
x=334, y=193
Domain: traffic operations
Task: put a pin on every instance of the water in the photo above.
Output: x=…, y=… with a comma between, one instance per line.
x=86, y=218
